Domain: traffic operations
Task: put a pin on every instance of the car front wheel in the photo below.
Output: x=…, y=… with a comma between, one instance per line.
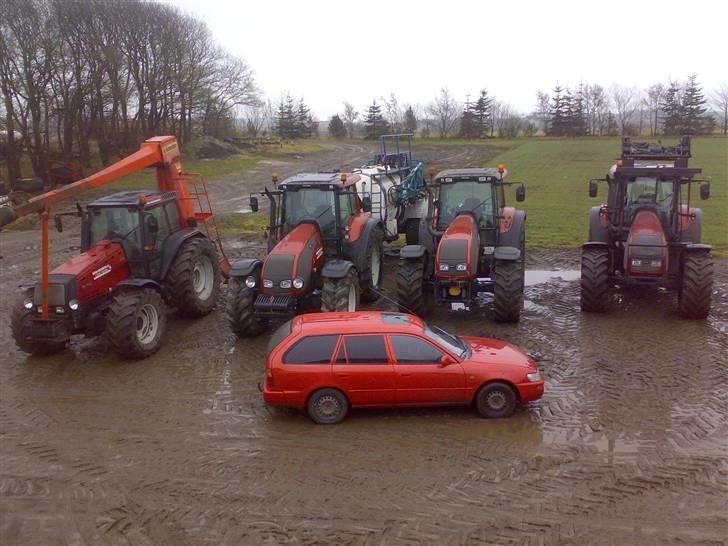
x=496, y=400
x=327, y=407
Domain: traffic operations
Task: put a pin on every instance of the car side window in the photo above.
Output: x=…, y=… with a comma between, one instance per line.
x=311, y=350
x=413, y=350
x=366, y=350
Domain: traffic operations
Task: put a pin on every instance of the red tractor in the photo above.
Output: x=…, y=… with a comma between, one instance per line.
x=471, y=244
x=647, y=234
x=141, y=251
x=324, y=252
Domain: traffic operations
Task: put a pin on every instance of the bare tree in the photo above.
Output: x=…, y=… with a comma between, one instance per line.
x=393, y=113
x=543, y=110
x=625, y=103
x=653, y=101
x=350, y=116
x=445, y=109
x=719, y=101
x=506, y=120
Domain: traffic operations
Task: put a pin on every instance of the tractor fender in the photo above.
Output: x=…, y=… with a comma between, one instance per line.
x=594, y=244
x=512, y=237
x=244, y=267
x=138, y=284
x=691, y=233
x=697, y=248
x=412, y=252
x=507, y=253
x=172, y=246
x=358, y=249
x=336, y=269
x=597, y=232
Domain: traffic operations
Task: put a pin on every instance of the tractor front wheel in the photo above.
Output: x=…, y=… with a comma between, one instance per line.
x=594, y=280
x=241, y=314
x=341, y=294
x=19, y=327
x=697, y=286
x=370, y=278
x=411, y=286
x=136, y=323
x=193, y=279
x=508, y=290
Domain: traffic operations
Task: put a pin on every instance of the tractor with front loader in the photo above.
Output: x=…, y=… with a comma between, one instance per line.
x=471, y=244
x=647, y=233
x=324, y=253
x=141, y=251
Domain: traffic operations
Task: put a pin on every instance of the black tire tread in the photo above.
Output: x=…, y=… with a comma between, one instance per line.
x=369, y=292
x=697, y=286
x=121, y=322
x=482, y=407
x=595, y=287
x=241, y=315
x=335, y=293
x=410, y=286
x=508, y=290
x=178, y=281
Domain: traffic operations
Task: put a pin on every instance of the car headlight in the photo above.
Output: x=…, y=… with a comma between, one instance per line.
x=444, y=267
x=267, y=283
x=286, y=283
x=298, y=282
x=73, y=304
x=462, y=267
x=534, y=376
x=28, y=303
x=250, y=282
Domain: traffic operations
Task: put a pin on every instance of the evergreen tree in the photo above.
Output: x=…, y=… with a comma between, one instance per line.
x=374, y=123
x=286, y=120
x=578, y=113
x=304, y=121
x=410, y=121
x=672, y=110
x=336, y=127
x=468, y=127
x=482, y=110
x=557, y=122
x=692, y=108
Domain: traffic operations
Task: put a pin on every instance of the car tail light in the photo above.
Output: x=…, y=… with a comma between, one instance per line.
x=269, y=377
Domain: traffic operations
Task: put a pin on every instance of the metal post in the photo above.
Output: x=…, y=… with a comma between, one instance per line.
x=44, y=265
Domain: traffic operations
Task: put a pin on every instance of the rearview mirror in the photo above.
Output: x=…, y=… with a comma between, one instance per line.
x=521, y=193
x=366, y=204
x=593, y=188
x=705, y=191
x=253, y=203
x=446, y=360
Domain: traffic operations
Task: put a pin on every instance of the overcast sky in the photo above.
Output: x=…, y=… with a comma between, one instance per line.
x=331, y=51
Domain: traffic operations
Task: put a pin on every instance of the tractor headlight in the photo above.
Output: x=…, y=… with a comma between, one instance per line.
x=298, y=283
x=267, y=283
x=286, y=283
x=656, y=263
x=444, y=267
x=462, y=267
x=636, y=263
x=28, y=303
x=534, y=376
x=73, y=304
x=250, y=282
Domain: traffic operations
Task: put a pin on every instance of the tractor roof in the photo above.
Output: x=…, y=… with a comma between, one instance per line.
x=468, y=174
x=131, y=198
x=323, y=180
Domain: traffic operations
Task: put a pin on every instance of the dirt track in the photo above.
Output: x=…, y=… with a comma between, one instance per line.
x=629, y=444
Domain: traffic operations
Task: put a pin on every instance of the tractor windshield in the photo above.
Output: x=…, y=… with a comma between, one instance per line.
x=120, y=224
x=310, y=204
x=475, y=197
x=645, y=191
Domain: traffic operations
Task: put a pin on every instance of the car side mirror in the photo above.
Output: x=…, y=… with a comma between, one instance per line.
x=366, y=204
x=593, y=188
x=253, y=203
x=705, y=191
x=447, y=360
x=521, y=193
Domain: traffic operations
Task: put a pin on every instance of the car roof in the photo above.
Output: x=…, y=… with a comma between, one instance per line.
x=467, y=174
x=361, y=322
x=314, y=180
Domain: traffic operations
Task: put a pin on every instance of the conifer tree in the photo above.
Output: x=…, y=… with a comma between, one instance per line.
x=672, y=110
x=410, y=121
x=374, y=123
x=692, y=108
x=336, y=127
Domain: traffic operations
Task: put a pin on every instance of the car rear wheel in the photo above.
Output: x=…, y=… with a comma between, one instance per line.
x=327, y=407
x=496, y=400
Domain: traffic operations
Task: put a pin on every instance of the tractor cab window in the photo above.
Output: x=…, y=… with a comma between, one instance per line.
x=347, y=205
x=310, y=204
x=475, y=197
x=647, y=191
x=118, y=224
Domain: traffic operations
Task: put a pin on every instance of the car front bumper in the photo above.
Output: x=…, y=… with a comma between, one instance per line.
x=527, y=392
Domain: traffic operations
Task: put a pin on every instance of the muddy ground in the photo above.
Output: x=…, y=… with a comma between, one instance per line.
x=628, y=445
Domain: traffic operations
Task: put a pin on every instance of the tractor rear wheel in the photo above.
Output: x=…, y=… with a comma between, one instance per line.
x=595, y=287
x=508, y=290
x=370, y=278
x=136, y=323
x=193, y=279
x=19, y=327
x=412, y=231
x=411, y=286
x=341, y=294
x=697, y=286
x=241, y=314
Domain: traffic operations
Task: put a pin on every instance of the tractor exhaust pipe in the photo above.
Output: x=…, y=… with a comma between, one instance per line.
x=430, y=214
x=7, y=215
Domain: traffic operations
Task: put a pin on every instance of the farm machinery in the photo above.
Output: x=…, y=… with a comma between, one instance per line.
x=647, y=233
x=471, y=244
x=60, y=173
x=140, y=252
x=395, y=184
x=324, y=252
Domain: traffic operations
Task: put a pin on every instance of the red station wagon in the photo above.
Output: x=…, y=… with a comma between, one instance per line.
x=329, y=362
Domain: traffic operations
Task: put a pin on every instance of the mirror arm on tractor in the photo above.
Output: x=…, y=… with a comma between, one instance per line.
x=57, y=217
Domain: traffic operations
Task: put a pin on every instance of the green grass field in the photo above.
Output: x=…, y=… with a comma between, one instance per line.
x=556, y=172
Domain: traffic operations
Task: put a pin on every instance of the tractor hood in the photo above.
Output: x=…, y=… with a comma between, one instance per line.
x=297, y=256
x=457, y=253
x=646, y=250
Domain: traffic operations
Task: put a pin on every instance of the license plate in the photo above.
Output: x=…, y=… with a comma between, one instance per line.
x=457, y=306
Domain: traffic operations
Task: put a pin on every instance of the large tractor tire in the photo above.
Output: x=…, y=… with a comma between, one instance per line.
x=370, y=278
x=193, y=279
x=412, y=231
x=241, y=314
x=341, y=294
x=697, y=286
x=19, y=318
x=595, y=286
x=508, y=290
x=411, y=286
x=136, y=323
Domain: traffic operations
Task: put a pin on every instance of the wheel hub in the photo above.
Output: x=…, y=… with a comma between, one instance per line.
x=351, y=307
x=147, y=324
x=203, y=278
x=376, y=266
x=327, y=407
x=496, y=400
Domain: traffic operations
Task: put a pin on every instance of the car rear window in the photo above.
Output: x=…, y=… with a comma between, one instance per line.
x=413, y=350
x=366, y=350
x=312, y=350
x=281, y=333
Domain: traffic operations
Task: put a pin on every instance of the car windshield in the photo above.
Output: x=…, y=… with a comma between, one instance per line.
x=116, y=224
x=645, y=191
x=452, y=343
x=310, y=204
x=472, y=196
